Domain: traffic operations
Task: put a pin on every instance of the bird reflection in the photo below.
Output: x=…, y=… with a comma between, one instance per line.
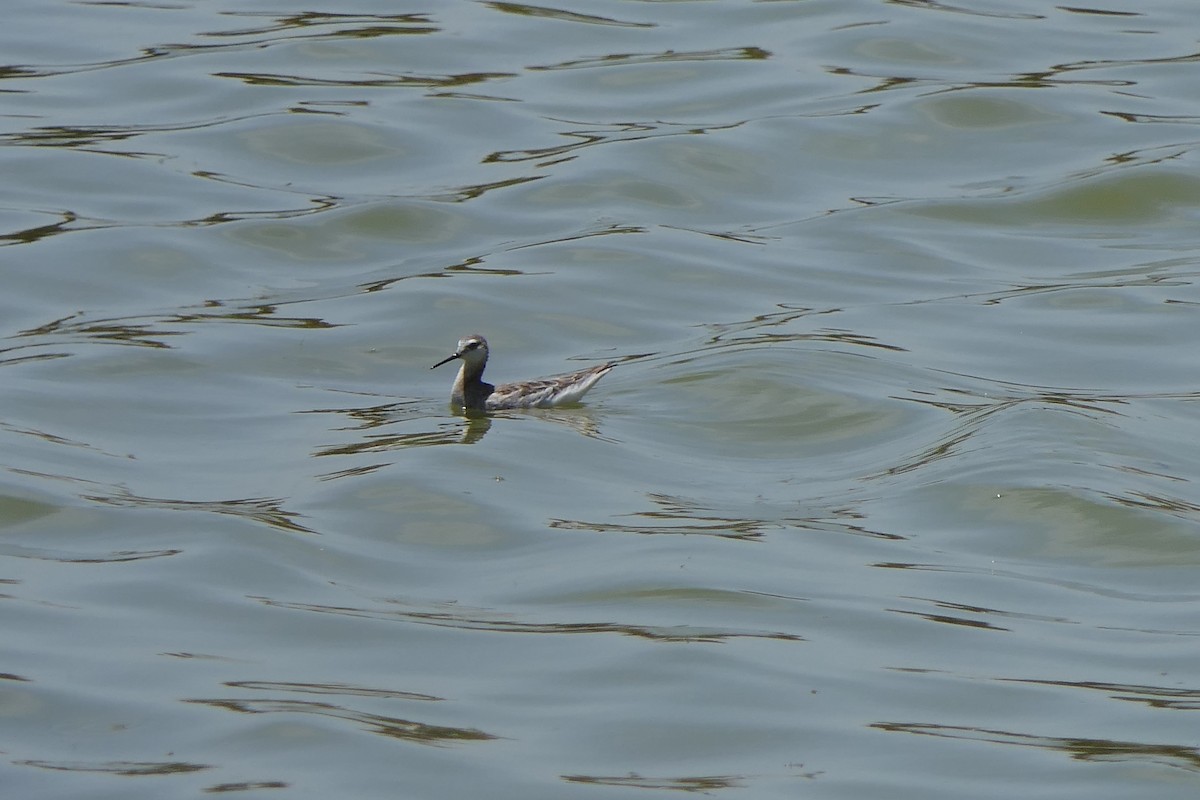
x=464, y=427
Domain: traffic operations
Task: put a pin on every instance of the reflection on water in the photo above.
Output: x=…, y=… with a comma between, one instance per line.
x=951, y=619
x=465, y=427
x=124, y=768
x=703, y=784
x=562, y=15
x=68, y=557
x=339, y=689
x=668, y=57
x=441, y=82
x=1177, y=756
x=482, y=620
x=591, y=136
x=55, y=439
x=266, y=510
x=150, y=331
x=393, y=727
x=1097, y=589
x=369, y=418
x=1175, y=699
x=678, y=515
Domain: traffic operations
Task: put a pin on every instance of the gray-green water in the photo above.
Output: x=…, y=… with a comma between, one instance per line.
x=894, y=493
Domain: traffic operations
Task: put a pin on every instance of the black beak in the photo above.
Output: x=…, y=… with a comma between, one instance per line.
x=445, y=361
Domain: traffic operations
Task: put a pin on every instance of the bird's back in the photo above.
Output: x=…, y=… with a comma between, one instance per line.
x=547, y=392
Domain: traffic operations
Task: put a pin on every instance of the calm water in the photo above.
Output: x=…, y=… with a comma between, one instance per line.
x=894, y=494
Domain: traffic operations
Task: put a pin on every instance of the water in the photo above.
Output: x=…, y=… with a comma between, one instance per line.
x=893, y=492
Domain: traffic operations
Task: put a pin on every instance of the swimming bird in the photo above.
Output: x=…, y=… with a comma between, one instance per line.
x=471, y=392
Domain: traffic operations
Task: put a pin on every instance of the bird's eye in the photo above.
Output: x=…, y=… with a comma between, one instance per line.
x=472, y=345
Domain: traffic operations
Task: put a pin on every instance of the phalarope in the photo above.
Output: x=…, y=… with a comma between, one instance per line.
x=471, y=392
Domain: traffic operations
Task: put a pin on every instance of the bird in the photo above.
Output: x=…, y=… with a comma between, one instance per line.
x=470, y=392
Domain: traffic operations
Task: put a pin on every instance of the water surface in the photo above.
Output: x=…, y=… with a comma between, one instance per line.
x=893, y=492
